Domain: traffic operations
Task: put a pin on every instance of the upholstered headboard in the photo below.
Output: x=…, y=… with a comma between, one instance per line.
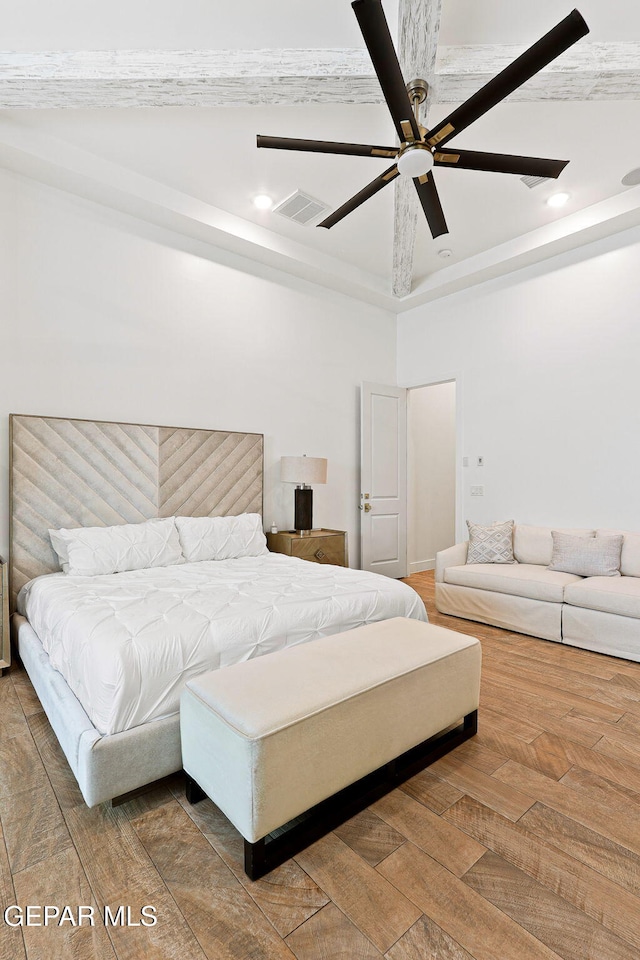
x=73, y=473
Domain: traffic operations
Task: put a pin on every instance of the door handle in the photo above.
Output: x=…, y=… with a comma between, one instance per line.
x=367, y=507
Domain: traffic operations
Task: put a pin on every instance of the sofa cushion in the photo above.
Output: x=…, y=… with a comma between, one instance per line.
x=619, y=595
x=490, y=544
x=586, y=556
x=630, y=559
x=520, y=579
x=535, y=544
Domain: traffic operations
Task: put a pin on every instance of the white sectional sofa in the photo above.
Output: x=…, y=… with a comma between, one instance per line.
x=596, y=613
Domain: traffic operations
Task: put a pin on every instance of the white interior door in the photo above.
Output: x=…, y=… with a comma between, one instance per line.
x=383, y=491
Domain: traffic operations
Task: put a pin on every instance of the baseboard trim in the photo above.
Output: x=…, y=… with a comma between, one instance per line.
x=420, y=565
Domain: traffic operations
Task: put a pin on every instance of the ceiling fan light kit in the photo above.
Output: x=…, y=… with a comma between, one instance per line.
x=421, y=150
x=415, y=160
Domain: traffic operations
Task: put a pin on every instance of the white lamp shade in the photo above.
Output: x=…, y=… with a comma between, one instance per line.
x=303, y=470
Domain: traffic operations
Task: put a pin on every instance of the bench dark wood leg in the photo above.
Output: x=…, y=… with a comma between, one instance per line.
x=193, y=790
x=255, y=859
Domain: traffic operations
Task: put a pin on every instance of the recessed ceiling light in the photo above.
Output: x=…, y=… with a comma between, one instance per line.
x=262, y=202
x=557, y=199
x=632, y=178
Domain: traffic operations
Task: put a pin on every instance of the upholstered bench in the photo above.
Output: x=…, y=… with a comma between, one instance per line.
x=325, y=728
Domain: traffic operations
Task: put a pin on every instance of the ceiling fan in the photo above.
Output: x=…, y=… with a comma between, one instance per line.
x=420, y=149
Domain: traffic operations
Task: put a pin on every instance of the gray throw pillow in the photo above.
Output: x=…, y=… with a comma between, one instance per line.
x=492, y=544
x=586, y=556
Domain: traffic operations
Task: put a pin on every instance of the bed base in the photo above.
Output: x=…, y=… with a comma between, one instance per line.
x=106, y=767
x=271, y=851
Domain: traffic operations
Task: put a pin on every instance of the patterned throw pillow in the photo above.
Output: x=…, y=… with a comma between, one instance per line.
x=492, y=544
x=586, y=556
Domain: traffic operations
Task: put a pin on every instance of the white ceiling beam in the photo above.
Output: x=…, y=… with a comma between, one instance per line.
x=586, y=71
x=418, y=30
x=185, y=78
x=210, y=78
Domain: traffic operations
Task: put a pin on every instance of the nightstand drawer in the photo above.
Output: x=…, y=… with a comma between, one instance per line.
x=318, y=546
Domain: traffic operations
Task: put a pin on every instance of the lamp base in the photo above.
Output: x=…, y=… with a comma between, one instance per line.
x=303, y=517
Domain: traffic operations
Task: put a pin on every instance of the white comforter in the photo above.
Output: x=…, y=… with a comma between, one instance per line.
x=127, y=642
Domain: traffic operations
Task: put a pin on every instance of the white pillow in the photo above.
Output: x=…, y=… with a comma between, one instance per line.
x=586, y=556
x=91, y=551
x=221, y=538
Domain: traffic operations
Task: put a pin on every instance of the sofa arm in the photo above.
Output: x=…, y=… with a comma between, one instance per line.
x=453, y=556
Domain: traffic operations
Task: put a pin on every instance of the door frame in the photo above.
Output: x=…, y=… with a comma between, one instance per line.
x=455, y=377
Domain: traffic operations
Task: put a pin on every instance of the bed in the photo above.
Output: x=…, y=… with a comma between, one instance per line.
x=109, y=653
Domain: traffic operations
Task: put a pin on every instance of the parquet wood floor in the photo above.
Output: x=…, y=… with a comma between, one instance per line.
x=522, y=844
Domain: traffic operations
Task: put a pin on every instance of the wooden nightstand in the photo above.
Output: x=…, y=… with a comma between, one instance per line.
x=5, y=643
x=319, y=546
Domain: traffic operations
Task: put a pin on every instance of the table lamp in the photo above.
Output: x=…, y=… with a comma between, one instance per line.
x=304, y=471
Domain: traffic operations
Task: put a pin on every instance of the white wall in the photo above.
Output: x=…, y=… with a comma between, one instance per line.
x=431, y=451
x=548, y=370
x=104, y=317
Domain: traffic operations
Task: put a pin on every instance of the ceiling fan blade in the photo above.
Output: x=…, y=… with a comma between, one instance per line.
x=326, y=146
x=372, y=188
x=555, y=42
x=431, y=205
x=375, y=31
x=499, y=163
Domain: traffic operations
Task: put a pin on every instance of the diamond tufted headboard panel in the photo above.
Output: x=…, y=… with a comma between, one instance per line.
x=73, y=473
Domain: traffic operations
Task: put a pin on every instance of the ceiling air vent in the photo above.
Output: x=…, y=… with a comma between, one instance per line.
x=300, y=208
x=532, y=182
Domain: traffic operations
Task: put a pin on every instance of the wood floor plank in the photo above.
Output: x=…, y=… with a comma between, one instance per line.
x=597, y=896
x=496, y=691
x=625, y=750
x=380, y=911
x=559, y=677
x=511, y=801
x=590, y=847
x=560, y=925
x=611, y=794
x=121, y=871
x=535, y=755
x=505, y=707
x=479, y=927
x=287, y=895
x=530, y=682
x=449, y=846
x=11, y=940
x=12, y=718
x=58, y=770
x=620, y=771
x=20, y=765
x=594, y=669
x=426, y=939
x=371, y=837
x=218, y=909
x=478, y=754
x=435, y=793
x=329, y=934
x=524, y=729
x=23, y=687
x=34, y=828
x=612, y=823
x=61, y=881
x=631, y=682
x=627, y=722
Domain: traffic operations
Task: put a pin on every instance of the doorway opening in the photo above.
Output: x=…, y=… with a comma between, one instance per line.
x=431, y=473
